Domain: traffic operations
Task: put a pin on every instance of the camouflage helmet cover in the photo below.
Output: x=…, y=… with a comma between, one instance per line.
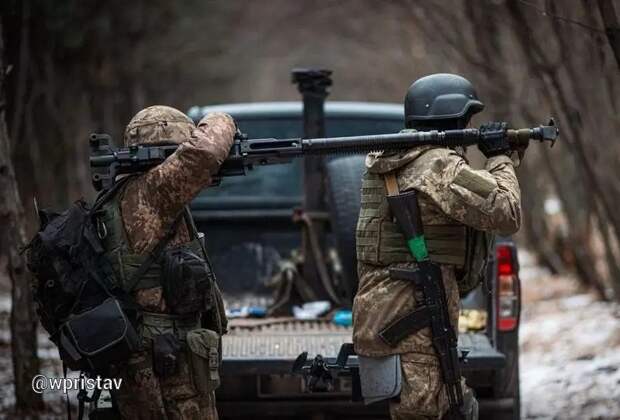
x=158, y=124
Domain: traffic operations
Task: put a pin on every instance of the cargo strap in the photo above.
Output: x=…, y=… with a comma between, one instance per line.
x=157, y=324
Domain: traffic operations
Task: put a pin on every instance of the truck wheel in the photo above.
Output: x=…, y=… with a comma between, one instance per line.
x=344, y=182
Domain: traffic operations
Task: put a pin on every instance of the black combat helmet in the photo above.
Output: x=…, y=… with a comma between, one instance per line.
x=441, y=101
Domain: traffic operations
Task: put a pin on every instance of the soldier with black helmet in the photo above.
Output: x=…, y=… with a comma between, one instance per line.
x=461, y=208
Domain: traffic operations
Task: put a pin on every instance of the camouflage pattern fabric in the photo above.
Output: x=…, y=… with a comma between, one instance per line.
x=422, y=395
x=145, y=397
x=450, y=191
x=158, y=124
x=149, y=205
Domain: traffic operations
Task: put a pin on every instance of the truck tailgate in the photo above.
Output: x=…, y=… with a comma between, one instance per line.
x=270, y=345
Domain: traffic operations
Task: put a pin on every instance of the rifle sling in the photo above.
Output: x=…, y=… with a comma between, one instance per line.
x=391, y=183
x=412, y=322
x=408, y=324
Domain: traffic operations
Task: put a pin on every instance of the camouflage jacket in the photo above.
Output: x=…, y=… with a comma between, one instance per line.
x=151, y=202
x=450, y=193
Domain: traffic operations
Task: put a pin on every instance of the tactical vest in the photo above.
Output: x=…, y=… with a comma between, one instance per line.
x=379, y=241
x=125, y=264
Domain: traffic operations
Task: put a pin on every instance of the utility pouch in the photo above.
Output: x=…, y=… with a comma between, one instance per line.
x=380, y=377
x=479, y=245
x=204, y=359
x=186, y=281
x=93, y=339
x=166, y=348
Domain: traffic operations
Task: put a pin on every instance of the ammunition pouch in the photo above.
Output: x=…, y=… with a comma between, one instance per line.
x=94, y=339
x=479, y=246
x=380, y=377
x=186, y=280
x=204, y=359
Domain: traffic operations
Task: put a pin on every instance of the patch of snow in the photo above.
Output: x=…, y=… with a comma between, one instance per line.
x=577, y=301
x=570, y=359
x=5, y=303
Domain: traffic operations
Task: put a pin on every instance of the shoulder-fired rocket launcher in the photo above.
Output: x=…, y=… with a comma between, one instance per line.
x=107, y=162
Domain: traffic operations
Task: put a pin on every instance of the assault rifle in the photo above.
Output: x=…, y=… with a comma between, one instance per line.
x=107, y=162
x=432, y=310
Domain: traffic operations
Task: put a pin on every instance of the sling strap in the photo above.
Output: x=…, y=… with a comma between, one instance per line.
x=412, y=322
x=155, y=253
x=391, y=184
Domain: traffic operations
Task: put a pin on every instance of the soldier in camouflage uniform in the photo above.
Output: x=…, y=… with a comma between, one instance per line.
x=148, y=205
x=457, y=203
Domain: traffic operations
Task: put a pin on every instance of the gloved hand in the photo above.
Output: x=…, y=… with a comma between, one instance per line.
x=520, y=150
x=493, y=140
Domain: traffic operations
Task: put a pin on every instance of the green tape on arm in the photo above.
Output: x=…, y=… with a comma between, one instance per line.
x=417, y=246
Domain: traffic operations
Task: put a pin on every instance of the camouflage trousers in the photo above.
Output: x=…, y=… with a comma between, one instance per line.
x=423, y=395
x=144, y=396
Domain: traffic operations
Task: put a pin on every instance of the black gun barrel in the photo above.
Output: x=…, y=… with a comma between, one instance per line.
x=406, y=140
x=386, y=142
x=107, y=162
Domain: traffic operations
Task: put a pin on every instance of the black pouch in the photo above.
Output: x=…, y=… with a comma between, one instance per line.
x=98, y=337
x=479, y=245
x=186, y=281
x=166, y=348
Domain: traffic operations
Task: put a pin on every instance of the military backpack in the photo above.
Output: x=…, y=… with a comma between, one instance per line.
x=90, y=320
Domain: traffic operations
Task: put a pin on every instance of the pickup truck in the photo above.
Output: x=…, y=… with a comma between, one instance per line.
x=250, y=232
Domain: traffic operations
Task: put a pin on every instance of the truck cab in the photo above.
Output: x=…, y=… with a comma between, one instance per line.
x=252, y=228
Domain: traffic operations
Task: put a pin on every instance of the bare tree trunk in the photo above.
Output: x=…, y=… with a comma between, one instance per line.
x=612, y=27
x=12, y=238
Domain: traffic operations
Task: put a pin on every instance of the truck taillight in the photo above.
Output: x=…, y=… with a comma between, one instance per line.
x=507, y=289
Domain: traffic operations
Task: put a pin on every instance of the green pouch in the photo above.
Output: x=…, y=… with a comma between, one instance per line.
x=204, y=359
